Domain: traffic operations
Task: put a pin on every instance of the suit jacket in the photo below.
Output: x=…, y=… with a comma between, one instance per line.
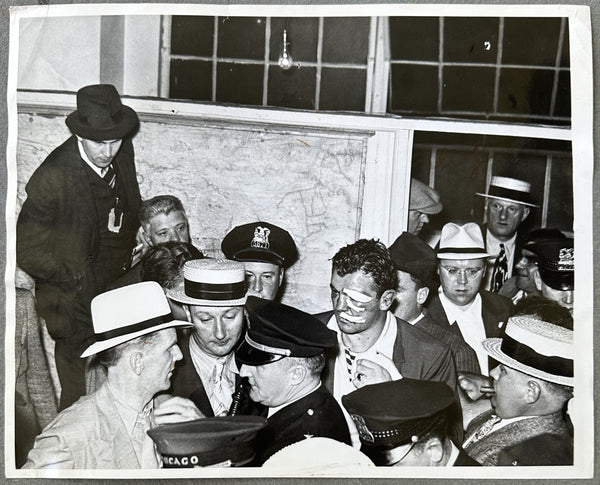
x=89, y=434
x=58, y=231
x=538, y=440
x=465, y=460
x=317, y=414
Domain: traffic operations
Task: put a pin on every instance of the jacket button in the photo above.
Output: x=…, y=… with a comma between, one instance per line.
x=310, y=412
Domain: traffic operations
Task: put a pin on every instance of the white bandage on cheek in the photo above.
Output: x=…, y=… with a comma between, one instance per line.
x=357, y=296
x=352, y=318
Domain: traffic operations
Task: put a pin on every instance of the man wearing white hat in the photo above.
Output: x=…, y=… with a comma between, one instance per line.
x=213, y=295
x=136, y=341
x=533, y=384
x=509, y=204
x=460, y=304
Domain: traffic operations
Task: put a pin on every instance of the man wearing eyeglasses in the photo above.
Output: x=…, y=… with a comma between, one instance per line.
x=461, y=304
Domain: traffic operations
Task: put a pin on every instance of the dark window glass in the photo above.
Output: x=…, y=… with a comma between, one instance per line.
x=241, y=37
x=191, y=80
x=470, y=39
x=421, y=163
x=413, y=88
x=345, y=40
x=530, y=41
x=239, y=83
x=294, y=88
x=468, y=89
x=560, y=204
x=414, y=38
x=564, y=57
x=563, y=95
x=343, y=89
x=192, y=36
x=302, y=35
x=526, y=91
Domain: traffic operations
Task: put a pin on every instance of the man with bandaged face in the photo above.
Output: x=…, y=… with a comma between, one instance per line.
x=373, y=345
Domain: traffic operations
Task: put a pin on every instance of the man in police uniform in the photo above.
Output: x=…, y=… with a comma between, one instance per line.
x=282, y=356
x=556, y=276
x=266, y=250
x=411, y=431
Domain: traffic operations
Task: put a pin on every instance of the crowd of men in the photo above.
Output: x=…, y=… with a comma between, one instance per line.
x=455, y=355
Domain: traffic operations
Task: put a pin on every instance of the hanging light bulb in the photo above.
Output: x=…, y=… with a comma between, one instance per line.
x=285, y=59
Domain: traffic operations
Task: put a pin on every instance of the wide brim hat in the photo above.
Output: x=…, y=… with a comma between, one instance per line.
x=129, y=312
x=412, y=255
x=211, y=282
x=509, y=190
x=100, y=115
x=461, y=242
x=423, y=198
x=535, y=347
x=261, y=242
x=223, y=440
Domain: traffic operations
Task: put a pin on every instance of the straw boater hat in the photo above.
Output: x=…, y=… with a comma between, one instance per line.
x=461, y=242
x=423, y=198
x=510, y=190
x=537, y=348
x=125, y=313
x=100, y=114
x=211, y=282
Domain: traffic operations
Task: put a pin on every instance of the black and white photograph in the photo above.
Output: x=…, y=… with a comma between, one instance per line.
x=299, y=241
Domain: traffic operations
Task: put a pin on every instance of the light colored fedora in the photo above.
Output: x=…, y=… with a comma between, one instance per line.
x=211, y=282
x=461, y=242
x=125, y=313
x=535, y=347
x=510, y=190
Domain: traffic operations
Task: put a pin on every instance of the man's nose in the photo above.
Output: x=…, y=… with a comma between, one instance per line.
x=424, y=218
x=568, y=297
x=340, y=303
x=257, y=285
x=174, y=235
x=503, y=213
x=244, y=371
x=219, y=329
x=495, y=373
x=177, y=355
x=462, y=277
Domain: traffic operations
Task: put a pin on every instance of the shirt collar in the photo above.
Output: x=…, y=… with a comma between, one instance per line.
x=453, y=455
x=492, y=244
x=128, y=413
x=98, y=170
x=204, y=363
x=455, y=312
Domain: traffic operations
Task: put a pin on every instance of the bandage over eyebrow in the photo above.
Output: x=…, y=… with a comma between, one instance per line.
x=352, y=318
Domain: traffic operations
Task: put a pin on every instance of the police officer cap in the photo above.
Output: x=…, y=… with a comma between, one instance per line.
x=262, y=242
x=396, y=413
x=223, y=440
x=556, y=262
x=414, y=256
x=276, y=331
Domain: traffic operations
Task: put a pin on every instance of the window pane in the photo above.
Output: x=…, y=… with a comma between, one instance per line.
x=563, y=95
x=346, y=40
x=468, y=89
x=343, y=89
x=530, y=41
x=413, y=88
x=294, y=88
x=564, y=57
x=560, y=205
x=470, y=39
x=191, y=80
x=239, y=83
x=403, y=34
x=525, y=91
x=241, y=37
x=302, y=35
x=192, y=36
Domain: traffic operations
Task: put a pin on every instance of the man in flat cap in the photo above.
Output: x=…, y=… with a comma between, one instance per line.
x=107, y=429
x=415, y=262
x=266, y=250
x=533, y=384
x=404, y=423
x=555, y=279
x=460, y=304
x=282, y=356
x=424, y=201
x=372, y=345
x=508, y=205
x=77, y=228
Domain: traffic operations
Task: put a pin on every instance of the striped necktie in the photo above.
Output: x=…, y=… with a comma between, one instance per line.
x=110, y=176
x=500, y=270
x=350, y=359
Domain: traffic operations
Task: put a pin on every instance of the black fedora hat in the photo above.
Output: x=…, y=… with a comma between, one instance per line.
x=414, y=256
x=100, y=115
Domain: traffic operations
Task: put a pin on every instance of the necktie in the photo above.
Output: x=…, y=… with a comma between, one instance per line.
x=483, y=431
x=142, y=443
x=110, y=176
x=500, y=270
x=221, y=396
x=350, y=358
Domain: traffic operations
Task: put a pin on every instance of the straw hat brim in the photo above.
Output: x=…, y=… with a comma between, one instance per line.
x=492, y=347
x=451, y=255
x=506, y=199
x=178, y=294
x=113, y=342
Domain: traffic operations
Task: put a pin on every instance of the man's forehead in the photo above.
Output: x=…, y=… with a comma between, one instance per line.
x=213, y=310
x=357, y=279
x=159, y=220
x=506, y=204
x=261, y=267
x=462, y=263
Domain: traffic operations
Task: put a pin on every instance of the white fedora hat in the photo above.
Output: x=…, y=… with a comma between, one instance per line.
x=536, y=348
x=211, y=282
x=125, y=313
x=510, y=190
x=461, y=242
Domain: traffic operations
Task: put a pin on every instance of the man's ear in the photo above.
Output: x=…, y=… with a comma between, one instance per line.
x=386, y=299
x=533, y=392
x=144, y=237
x=136, y=362
x=526, y=211
x=422, y=294
x=435, y=451
x=537, y=279
x=297, y=374
x=281, y=275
